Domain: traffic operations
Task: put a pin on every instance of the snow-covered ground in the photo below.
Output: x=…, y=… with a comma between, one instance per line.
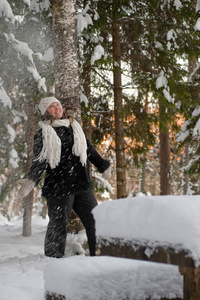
x=22, y=259
x=22, y=267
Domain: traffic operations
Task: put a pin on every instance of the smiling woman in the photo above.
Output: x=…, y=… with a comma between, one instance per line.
x=55, y=110
x=62, y=151
x=46, y=103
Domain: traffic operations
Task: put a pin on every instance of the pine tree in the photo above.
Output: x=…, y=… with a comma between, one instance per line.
x=157, y=37
x=22, y=77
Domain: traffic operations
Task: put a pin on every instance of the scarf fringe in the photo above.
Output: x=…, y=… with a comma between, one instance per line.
x=80, y=144
x=51, y=150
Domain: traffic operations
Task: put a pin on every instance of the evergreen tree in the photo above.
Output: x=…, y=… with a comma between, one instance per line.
x=157, y=39
x=24, y=67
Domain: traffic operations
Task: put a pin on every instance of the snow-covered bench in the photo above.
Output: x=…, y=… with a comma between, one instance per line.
x=162, y=229
x=110, y=278
x=158, y=228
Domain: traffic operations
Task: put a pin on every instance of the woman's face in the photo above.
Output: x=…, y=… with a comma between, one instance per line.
x=55, y=110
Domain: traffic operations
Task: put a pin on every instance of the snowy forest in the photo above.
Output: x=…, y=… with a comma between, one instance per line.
x=130, y=67
x=130, y=72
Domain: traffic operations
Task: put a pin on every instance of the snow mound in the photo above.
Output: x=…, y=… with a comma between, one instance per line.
x=173, y=220
x=90, y=278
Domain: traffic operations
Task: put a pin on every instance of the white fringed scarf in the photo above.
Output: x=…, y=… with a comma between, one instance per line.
x=51, y=150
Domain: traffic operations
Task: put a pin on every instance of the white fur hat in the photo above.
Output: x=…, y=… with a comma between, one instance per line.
x=45, y=102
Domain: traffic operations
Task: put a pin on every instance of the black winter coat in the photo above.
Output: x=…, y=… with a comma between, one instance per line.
x=69, y=176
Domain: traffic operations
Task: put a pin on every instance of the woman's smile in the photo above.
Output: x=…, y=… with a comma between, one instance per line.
x=55, y=110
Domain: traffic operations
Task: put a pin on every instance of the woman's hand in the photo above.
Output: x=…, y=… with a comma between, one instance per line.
x=26, y=188
x=107, y=173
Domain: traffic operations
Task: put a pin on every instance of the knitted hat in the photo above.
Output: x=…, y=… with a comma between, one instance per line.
x=45, y=102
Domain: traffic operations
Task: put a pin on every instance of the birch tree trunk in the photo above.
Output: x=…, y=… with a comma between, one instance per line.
x=67, y=84
x=118, y=112
x=28, y=201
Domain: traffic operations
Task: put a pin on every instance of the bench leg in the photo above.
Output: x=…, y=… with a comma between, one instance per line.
x=191, y=283
x=52, y=296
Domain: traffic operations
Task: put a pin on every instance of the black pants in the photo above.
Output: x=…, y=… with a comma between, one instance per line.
x=59, y=212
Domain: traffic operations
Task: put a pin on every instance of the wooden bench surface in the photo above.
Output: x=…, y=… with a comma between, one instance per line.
x=144, y=250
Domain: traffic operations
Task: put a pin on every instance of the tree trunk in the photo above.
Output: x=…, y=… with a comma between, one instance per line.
x=143, y=182
x=143, y=179
x=118, y=112
x=66, y=70
x=165, y=188
x=27, y=216
x=28, y=201
x=192, y=65
x=186, y=175
x=87, y=127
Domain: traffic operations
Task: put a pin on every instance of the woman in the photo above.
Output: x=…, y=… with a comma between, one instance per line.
x=63, y=153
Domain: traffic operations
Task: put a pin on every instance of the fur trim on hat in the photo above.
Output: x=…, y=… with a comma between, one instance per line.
x=45, y=102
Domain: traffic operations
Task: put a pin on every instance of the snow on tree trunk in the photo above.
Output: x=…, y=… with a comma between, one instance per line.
x=118, y=112
x=28, y=201
x=66, y=70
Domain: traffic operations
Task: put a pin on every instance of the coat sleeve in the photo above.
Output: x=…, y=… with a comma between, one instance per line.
x=37, y=167
x=96, y=159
